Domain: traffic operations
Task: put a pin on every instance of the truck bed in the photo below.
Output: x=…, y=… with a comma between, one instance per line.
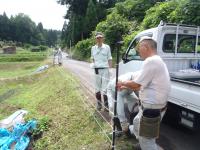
x=186, y=93
x=189, y=81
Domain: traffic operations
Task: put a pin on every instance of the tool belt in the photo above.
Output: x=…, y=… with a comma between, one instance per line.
x=96, y=70
x=150, y=123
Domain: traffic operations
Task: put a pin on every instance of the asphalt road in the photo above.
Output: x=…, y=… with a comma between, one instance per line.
x=171, y=137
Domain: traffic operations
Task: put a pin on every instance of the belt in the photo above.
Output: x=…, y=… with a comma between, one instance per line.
x=100, y=68
x=97, y=70
x=155, y=107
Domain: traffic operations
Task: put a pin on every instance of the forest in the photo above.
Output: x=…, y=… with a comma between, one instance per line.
x=20, y=30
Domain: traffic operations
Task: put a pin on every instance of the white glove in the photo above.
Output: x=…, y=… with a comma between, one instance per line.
x=111, y=72
x=92, y=65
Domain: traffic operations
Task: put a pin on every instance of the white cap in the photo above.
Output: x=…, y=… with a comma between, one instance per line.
x=145, y=38
x=99, y=34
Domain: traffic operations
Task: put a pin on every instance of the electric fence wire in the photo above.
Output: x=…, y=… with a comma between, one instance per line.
x=85, y=82
x=91, y=111
x=16, y=90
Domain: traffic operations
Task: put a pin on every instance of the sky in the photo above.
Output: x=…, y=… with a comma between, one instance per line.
x=49, y=12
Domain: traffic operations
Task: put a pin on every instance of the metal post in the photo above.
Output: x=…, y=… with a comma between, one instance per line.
x=176, y=47
x=115, y=102
x=70, y=45
x=197, y=38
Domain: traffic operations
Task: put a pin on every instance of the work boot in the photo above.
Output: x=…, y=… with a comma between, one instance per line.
x=124, y=126
x=106, y=108
x=128, y=133
x=117, y=124
x=99, y=105
x=136, y=146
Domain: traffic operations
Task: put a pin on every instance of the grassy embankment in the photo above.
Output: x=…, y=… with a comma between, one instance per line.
x=55, y=100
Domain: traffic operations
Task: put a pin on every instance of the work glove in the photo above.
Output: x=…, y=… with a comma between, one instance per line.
x=111, y=73
x=92, y=65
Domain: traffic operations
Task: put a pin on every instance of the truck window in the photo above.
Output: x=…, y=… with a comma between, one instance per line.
x=169, y=43
x=186, y=43
x=132, y=53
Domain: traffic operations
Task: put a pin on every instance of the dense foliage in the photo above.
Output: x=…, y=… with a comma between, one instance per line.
x=83, y=16
x=127, y=18
x=83, y=49
x=21, y=28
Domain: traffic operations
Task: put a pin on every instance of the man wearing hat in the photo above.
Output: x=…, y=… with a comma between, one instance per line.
x=102, y=59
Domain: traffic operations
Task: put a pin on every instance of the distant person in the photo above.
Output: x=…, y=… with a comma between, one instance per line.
x=59, y=53
x=153, y=83
x=55, y=51
x=102, y=60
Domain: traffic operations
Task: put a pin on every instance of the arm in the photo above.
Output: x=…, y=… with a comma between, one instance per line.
x=110, y=63
x=128, y=84
x=92, y=57
x=109, y=57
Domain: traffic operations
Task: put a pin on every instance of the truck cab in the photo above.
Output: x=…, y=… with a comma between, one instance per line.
x=179, y=47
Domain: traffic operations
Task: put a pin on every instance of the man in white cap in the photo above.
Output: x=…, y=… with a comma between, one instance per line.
x=153, y=84
x=59, y=53
x=102, y=59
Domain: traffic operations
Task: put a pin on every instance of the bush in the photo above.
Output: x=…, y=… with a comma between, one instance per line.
x=134, y=10
x=39, y=48
x=114, y=28
x=82, y=50
x=35, y=49
x=43, y=48
x=27, y=46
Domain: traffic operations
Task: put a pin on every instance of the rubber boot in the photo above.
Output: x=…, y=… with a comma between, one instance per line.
x=106, y=103
x=118, y=126
x=98, y=98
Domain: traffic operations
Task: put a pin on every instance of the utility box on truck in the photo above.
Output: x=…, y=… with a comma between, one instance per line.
x=179, y=47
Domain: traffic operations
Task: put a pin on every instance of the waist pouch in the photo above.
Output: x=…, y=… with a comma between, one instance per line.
x=96, y=70
x=150, y=123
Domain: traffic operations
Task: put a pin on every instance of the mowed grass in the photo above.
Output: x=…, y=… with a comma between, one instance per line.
x=15, y=69
x=54, y=94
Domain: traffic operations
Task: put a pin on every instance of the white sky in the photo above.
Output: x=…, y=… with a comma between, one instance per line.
x=49, y=12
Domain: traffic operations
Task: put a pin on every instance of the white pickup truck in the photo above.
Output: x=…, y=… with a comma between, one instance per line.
x=179, y=46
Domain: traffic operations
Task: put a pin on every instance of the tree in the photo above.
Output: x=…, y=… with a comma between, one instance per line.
x=4, y=27
x=90, y=19
x=114, y=27
x=187, y=12
x=76, y=14
x=22, y=29
x=155, y=14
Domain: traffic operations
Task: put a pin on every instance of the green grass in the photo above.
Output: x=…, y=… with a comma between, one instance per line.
x=14, y=69
x=54, y=96
x=23, y=55
x=32, y=56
